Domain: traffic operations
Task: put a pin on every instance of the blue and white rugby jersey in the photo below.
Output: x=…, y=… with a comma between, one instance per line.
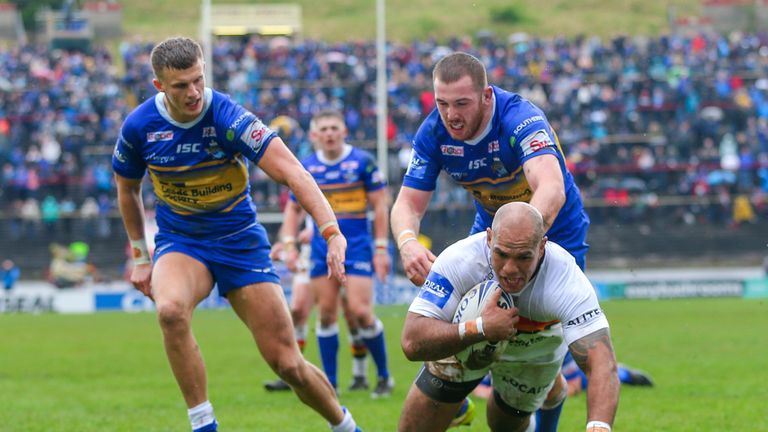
x=345, y=182
x=490, y=167
x=199, y=169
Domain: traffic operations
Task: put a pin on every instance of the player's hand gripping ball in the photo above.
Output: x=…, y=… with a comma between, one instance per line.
x=481, y=354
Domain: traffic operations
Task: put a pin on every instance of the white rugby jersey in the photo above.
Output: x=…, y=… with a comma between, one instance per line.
x=557, y=307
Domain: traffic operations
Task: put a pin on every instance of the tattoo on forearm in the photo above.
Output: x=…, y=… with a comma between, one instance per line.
x=581, y=348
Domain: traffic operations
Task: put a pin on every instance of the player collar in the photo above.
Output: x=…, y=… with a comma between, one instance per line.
x=345, y=151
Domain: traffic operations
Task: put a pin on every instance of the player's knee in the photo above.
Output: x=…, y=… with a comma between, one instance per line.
x=299, y=315
x=557, y=393
x=172, y=315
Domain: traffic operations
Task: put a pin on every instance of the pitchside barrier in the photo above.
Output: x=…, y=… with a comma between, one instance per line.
x=42, y=297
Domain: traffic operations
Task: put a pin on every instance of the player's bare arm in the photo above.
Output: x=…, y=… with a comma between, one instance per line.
x=546, y=181
x=407, y=212
x=282, y=166
x=594, y=355
x=132, y=210
x=425, y=338
x=379, y=201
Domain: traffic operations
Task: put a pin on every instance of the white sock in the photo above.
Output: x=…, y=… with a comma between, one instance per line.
x=201, y=415
x=360, y=366
x=347, y=423
x=300, y=332
x=532, y=423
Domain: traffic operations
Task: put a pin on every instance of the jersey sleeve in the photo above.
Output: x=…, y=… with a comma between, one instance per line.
x=245, y=133
x=581, y=314
x=531, y=134
x=458, y=268
x=126, y=158
x=424, y=166
x=371, y=175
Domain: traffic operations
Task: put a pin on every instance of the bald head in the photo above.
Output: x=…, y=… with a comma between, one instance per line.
x=520, y=221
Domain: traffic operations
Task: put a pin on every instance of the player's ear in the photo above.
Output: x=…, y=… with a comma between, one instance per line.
x=487, y=94
x=488, y=236
x=158, y=85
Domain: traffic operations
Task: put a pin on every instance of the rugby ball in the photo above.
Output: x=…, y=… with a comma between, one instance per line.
x=481, y=354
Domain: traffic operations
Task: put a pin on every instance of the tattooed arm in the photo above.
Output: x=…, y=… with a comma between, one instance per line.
x=594, y=355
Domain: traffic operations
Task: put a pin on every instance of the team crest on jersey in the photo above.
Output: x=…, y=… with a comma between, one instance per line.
x=498, y=168
x=209, y=132
x=159, y=136
x=215, y=151
x=535, y=142
x=452, y=150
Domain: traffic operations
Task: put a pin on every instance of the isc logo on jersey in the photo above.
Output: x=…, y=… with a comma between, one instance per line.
x=482, y=354
x=188, y=148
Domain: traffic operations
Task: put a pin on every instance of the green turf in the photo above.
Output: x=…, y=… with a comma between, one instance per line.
x=107, y=372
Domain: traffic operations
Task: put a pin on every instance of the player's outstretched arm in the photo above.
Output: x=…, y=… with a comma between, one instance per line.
x=594, y=355
x=132, y=212
x=407, y=212
x=546, y=180
x=282, y=166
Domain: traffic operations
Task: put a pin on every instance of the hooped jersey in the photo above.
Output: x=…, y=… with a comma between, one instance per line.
x=346, y=182
x=558, y=305
x=490, y=167
x=199, y=169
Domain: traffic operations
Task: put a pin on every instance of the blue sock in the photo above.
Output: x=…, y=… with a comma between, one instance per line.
x=374, y=340
x=547, y=420
x=210, y=427
x=328, y=342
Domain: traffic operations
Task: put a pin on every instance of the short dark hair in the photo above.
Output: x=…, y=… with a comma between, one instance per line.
x=326, y=113
x=175, y=53
x=456, y=66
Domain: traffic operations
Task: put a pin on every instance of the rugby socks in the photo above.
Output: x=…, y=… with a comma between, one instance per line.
x=374, y=340
x=547, y=419
x=347, y=423
x=532, y=424
x=328, y=343
x=359, y=353
x=300, y=332
x=201, y=418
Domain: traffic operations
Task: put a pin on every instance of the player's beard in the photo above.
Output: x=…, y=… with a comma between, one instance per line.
x=470, y=125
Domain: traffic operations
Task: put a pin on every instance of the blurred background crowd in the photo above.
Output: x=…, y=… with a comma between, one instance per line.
x=656, y=130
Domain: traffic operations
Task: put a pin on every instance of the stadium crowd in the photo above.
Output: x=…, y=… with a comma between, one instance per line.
x=670, y=128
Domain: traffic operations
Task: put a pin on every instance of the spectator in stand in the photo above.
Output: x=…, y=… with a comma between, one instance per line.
x=11, y=274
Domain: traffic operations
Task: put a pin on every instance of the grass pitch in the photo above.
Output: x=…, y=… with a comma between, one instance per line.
x=108, y=372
